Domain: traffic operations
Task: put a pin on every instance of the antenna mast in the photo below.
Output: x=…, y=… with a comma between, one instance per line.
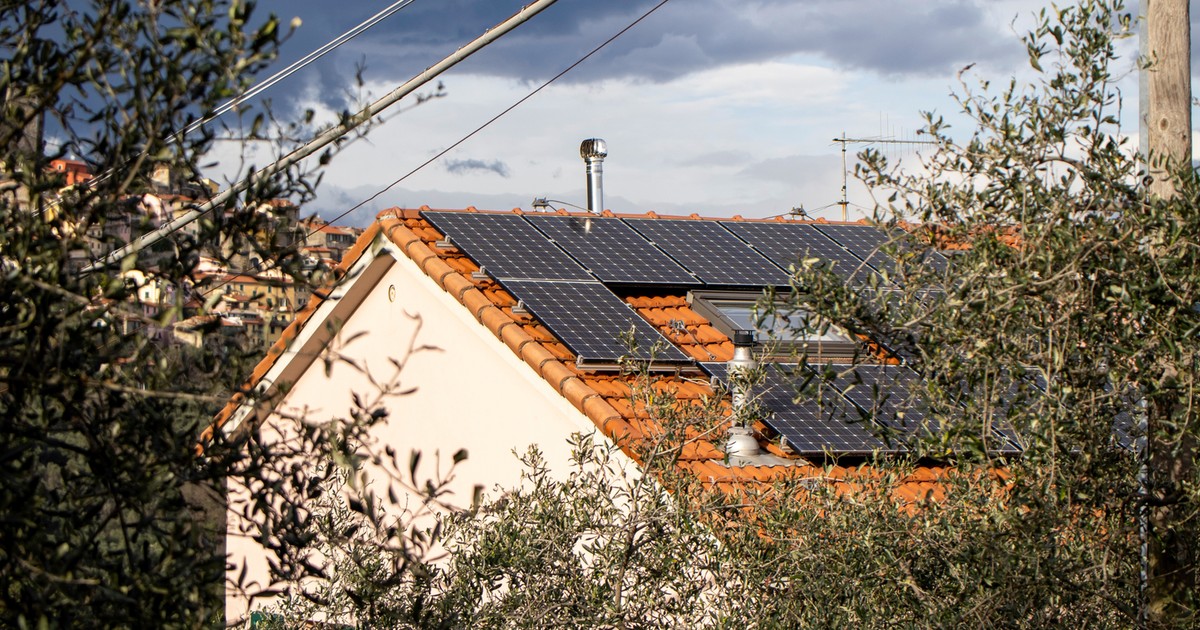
x=843, y=140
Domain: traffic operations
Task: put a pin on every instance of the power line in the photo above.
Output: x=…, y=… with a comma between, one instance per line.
x=326, y=137
x=485, y=125
x=472, y=133
x=296, y=66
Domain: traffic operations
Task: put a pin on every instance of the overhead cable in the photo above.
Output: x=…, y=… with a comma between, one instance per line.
x=259, y=88
x=501, y=114
x=470, y=135
x=297, y=65
x=325, y=138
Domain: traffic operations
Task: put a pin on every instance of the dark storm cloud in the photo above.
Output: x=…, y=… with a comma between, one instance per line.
x=463, y=167
x=891, y=37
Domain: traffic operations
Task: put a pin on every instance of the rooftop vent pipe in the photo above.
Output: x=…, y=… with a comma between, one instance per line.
x=593, y=151
x=740, y=440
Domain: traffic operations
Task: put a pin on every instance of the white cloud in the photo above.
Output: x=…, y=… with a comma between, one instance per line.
x=708, y=127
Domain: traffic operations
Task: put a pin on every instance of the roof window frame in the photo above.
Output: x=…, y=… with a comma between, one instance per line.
x=707, y=303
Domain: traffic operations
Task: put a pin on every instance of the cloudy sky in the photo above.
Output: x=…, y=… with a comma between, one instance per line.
x=719, y=107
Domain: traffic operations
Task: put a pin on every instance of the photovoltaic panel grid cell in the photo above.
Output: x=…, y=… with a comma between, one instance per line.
x=787, y=243
x=817, y=424
x=711, y=252
x=506, y=246
x=591, y=320
x=612, y=250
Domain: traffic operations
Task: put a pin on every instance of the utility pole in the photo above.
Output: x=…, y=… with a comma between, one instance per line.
x=1166, y=90
x=1169, y=558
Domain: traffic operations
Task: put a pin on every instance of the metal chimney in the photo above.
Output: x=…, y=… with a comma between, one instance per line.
x=593, y=151
x=740, y=437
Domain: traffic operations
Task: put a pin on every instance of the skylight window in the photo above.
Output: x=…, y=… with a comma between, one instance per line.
x=782, y=330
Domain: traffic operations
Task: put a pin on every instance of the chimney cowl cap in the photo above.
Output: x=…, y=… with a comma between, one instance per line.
x=593, y=148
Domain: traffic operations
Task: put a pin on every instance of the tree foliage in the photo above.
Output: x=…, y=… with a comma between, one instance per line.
x=1077, y=280
x=110, y=518
x=1068, y=312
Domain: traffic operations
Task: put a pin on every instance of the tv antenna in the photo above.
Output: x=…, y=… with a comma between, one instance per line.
x=845, y=202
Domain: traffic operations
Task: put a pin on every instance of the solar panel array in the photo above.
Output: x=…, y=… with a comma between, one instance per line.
x=1126, y=432
x=663, y=252
x=592, y=321
x=865, y=242
x=711, y=252
x=886, y=392
x=1125, y=429
x=551, y=263
x=612, y=250
x=1004, y=440
x=891, y=394
x=507, y=246
x=819, y=423
x=813, y=417
x=787, y=243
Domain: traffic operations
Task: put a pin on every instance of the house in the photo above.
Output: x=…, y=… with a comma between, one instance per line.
x=526, y=311
x=328, y=242
x=73, y=171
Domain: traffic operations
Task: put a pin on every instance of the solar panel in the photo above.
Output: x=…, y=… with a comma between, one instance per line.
x=787, y=243
x=592, y=321
x=1002, y=438
x=1008, y=442
x=711, y=252
x=937, y=261
x=506, y=246
x=819, y=423
x=885, y=392
x=865, y=242
x=719, y=370
x=1126, y=431
x=612, y=250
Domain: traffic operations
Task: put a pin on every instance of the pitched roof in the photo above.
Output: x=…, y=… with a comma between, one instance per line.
x=602, y=396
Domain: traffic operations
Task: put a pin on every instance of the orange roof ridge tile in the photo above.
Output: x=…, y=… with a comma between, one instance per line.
x=545, y=364
x=289, y=334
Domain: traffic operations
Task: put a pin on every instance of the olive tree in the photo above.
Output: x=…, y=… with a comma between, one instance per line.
x=112, y=509
x=1069, y=309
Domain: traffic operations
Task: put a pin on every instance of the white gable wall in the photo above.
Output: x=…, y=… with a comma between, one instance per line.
x=472, y=392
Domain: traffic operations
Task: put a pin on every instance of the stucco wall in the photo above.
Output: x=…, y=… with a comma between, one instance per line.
x=471, y=392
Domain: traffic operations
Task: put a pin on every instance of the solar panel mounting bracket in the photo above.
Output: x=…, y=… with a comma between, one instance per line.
x=656, y=366
x=520, y=308
x=481, y=274
x=445, y=243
